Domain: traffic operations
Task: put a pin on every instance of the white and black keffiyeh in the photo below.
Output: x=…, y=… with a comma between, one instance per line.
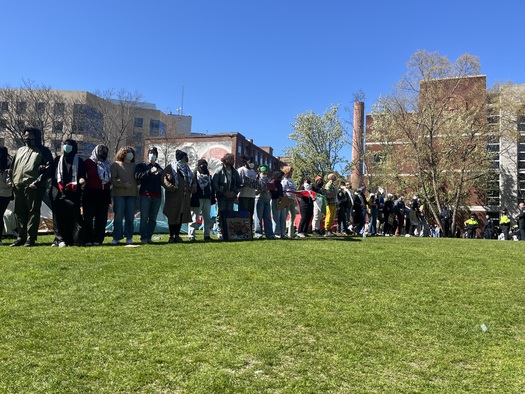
x=184, y=170
x=103, y=167
x=60, y=170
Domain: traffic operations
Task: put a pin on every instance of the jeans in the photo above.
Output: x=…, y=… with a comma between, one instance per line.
x=204, y=208
x=149, y=209
x=123, y=208
x=263, y=217
x=372, y=228
x=278, y=219
x=222, y=205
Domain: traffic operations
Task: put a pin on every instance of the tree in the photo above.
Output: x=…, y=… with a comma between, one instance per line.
x=318, y=143
x=430, y=136
x=34, y=105
x=116, y=111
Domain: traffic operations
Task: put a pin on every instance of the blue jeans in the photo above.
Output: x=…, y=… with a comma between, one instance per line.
x=149, y=209
x=124, y=209
x=372, y=227
x=279, y=219
x=263, y=217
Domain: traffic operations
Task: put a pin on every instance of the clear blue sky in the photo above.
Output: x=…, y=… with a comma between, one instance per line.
x=251, y=66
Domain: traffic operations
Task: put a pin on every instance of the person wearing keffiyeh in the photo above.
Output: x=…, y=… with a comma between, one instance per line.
x=177, y=180
x=65, y=193
x=201, y=201
x=96, y=196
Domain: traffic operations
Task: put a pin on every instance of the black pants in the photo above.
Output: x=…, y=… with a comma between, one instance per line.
x=307, y=212
x=95, y=205
x=67, y=221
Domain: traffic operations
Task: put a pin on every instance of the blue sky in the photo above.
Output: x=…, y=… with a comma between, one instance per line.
x=251, y=66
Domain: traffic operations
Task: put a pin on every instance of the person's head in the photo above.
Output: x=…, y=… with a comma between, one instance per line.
x=318, y=180
x=100, y=153
x=472, y=216
x=277, y=175
x=287, y=171
x=32, y=136
x=402, y=198
x=181, y=156
x=263, y=169
x=70, y=147
x=332, y=177
x=248, y=162
x=125, y=154
x=504, y=211
x=153, y=154
x=522, y=205
x=389, y=196
x=487, y=217
x=228, y=160
x=306, y=179
x=342, y=185
x=202, y=166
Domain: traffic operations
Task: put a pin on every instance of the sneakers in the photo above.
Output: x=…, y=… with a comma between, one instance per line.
x=219, y=237
x=96, y=244
x=207, y=239
x=114, y=242
x=62, y=244
x=129, y=241
x=301, y=235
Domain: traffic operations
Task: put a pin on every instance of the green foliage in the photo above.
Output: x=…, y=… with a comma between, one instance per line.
x=383, y=315
x=318, y=143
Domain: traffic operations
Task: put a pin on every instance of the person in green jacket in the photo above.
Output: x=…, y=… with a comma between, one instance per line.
x=31, y=168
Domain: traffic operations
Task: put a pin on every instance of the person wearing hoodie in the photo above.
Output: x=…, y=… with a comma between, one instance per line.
x=150, y=178
x=6, y=194
x=65, y=193
x=97, y=195
x=31, y=168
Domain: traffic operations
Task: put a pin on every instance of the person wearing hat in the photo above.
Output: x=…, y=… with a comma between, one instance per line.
x=201, y=200
x=504, y=222
x=472, y=226
x=150, y=194
x=263, y=210
x=318, y=204
x=177, y=179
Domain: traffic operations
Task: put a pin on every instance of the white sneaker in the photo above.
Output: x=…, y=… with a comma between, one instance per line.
x=219, y=236
x=301, y=235
x=62, y=244
x=114, y=242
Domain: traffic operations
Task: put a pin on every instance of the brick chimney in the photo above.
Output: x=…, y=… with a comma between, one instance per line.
x=356, y=178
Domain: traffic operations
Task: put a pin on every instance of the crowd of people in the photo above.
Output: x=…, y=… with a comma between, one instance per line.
x=82, y=191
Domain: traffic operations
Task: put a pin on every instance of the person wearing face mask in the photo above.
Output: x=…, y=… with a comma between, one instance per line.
x=96, y=195
x=246, y=195
x=31, y=168
x=263, y=209
x=6, y=194
x=124, y=194
x=65, y=193
x=226, y=183
x=177, y=179
x=149, y=174
x=306, y=207
x=201, y=200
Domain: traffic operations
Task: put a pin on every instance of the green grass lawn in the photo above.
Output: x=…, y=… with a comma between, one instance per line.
x=380, y=315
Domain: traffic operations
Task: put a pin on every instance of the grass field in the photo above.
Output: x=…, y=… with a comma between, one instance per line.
x=374, y=315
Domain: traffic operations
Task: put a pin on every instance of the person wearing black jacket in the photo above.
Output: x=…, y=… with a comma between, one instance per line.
x=488, y=228
x=31, y=168
x=202, y=200
x=150, y=194
x=65, y=195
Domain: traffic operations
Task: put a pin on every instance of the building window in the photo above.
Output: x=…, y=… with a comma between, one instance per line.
x=138, y=137
x=492, y=196
x=21, y=107
x=20, y=125
x=59, y=108
x=4, y=106
x=139, y=122
x=58, y=127
x=521, y=119
x=138, y=153
x=154, y=126
x=3, y=124
x=40, y=107
x=239, y=149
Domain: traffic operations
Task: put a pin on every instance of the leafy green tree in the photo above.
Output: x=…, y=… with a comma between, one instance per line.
x=319, y=141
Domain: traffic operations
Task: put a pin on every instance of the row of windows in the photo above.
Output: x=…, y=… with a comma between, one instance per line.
x=156, y=127
x=258, y=157
x=21, y=107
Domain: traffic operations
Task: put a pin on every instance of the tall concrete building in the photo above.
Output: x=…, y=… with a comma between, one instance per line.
x=88, y=118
